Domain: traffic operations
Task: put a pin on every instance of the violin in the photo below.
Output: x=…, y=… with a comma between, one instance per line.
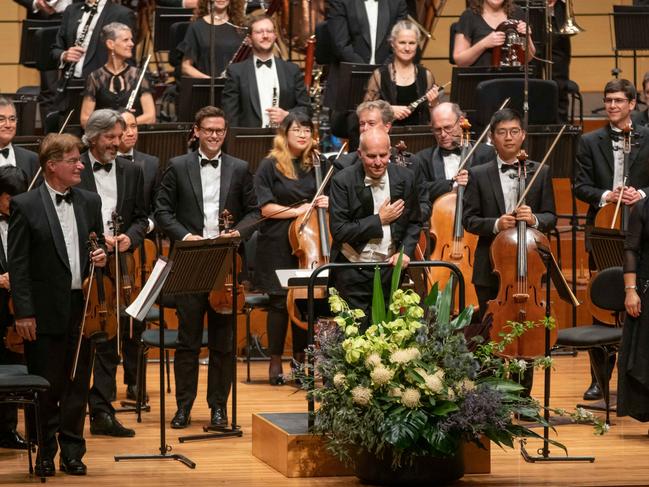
x=520, y=290
x=221, y=300
x=452, y=242
x=512, y=52
x=12, y=340
x=100, y=321
x=144, y=258
x=310, y=241
x=121, y=268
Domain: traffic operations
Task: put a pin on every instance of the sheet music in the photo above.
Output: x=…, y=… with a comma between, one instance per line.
x=149, y=293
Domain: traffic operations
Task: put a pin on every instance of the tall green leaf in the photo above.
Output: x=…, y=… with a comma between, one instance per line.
x=444, y=305
x=431, y=299
x=378, y=301
x=394, y=285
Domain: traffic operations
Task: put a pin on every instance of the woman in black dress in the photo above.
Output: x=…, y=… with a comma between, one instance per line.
x=283, y=178
x=228, y=36
x=401, y=81
x=633, y=364
x=111, y=85
x=476, y=34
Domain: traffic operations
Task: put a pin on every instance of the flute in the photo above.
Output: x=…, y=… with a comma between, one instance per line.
x=413, y=106
x=131, y=98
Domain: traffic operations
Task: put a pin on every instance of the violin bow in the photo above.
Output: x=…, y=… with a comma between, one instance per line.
x=326, y=179
x=627, y=150
x=617, y=205
x=259, y=220
x=538, y=171
x=38, y=173
x=482, y=136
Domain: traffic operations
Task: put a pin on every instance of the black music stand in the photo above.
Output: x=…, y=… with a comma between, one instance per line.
x=562, y=159
x=563, y=290
x=44, y=37
x=631, y=33
x=195, y=267
x=607, y=247
x=195, y=94
x=28, y=44
x=351, y=84
x=249, y=144
x=164, y=18
x=416, y=137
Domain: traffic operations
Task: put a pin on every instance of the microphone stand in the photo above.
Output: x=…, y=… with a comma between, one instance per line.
x=212, y=40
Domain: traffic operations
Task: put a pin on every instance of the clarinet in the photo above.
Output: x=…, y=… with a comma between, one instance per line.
x=274, y=104
x=68, y=68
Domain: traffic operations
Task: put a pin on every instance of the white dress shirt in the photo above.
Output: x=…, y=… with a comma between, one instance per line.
x=509, y=185
x=10, y=160
x=211, y=186
x=372, y=10
x=106, y=182
x=84, y=17
x=266, y=81
x=376, y=249
x=617, y=146
x=451, y=165
x=65, y=213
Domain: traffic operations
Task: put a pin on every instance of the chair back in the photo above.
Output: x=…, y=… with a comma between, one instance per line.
x=607, y=289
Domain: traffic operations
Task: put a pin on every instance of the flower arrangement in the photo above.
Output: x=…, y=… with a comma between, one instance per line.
x=409, y=385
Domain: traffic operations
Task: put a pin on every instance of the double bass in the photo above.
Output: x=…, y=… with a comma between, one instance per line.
x=452, y=242
x=520, y=294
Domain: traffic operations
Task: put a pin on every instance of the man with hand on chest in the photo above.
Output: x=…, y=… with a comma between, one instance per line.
x=195, y=190
x=119, y=183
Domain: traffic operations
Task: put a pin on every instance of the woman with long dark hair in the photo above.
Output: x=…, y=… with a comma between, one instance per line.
x=283, y=179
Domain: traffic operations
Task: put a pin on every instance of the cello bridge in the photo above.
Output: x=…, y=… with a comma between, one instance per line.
x=521, y=297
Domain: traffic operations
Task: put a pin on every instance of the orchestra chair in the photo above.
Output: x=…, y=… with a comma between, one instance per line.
x=607, y=292
x=17, y=386
x=575, y=96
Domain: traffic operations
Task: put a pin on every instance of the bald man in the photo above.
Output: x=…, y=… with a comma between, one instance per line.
x=373, y=213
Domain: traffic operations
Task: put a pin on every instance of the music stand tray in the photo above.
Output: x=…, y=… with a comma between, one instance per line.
x=28, y=45
x=196, y=267
x=352, y=83
x=195, y=94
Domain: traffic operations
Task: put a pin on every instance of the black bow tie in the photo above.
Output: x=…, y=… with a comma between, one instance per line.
x=508, y=167
x=268, y=63
x=5, y=152
x=214, y=162
x=98, y=165
x=67, y=197
x=127, y=156
x=447, y=152
x=4, y=218
x=86, y=8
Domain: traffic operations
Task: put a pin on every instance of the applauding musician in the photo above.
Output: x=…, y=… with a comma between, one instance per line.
x=195, y=190
x=48, y=261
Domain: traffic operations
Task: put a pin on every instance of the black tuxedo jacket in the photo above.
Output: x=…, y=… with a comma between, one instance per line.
x=640, y=118
x=150, y=166
x=484, y=203
x=5, y=317
x=130, y=196
x=595, y=166
x=350, y=30
x=432, y=169
x=179, y=202
x=39, y=269
x=96, y=55
x=27, y=161
x=240, y=98
x=351, y=210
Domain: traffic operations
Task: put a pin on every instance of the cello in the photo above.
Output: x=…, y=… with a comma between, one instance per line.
x=452, y=242
x=520, y=292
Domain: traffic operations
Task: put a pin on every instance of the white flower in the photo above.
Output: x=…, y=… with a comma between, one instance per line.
x=381, y=375
x=410, y=397
x=395, y=392
x=373, y=360
x=467, y=385
x=361, y=395
x=405, y=355
x=450, y=394
x=340, y=380
x=351, y=331
x=336, y=304
x=433, y=383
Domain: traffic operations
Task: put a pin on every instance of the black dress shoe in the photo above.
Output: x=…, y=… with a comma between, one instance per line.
x=72, y=466
x=44, y=468
x=181, y=419
x=12, y=439
x=593, y=392
x=107, y=424
x=219, y=417
x=131, y=393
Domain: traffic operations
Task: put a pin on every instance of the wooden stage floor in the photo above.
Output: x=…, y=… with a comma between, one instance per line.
x=621, y=455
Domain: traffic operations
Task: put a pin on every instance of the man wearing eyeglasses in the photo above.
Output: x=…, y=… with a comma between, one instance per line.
x=10, y=154
x=601, y=172
x=195, y=190
x=260, y=91
x=119, y=183
x=492, y=194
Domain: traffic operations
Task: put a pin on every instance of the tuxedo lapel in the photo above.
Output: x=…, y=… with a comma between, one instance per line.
x=82, y=229
x=75, y=18
x=363, y=193
x=494, y=180
x=226, y=178
x=383, y=21
x=606, y=148
x=252, y=87
x=94, y=40
x=636, y=144
x=120, y=175
x=194, y=174
x=87, y=175
x=282, y=80
x=55, y=225
x=361, y=14
x=438, y=164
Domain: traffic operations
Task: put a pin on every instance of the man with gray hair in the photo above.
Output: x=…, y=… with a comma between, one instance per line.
x=120, y=185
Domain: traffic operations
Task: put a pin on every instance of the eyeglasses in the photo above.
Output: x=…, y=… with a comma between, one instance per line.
x=515, y=132
x=448, y=129
x=70, y=160
x=209, y=131
x=616, y=101
x=10, y=120
x=301, y=131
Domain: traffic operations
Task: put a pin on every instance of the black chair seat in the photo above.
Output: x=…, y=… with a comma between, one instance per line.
x=20, y=383
x=151, y=338
x=13, y=369
x=589, y=336
x=257, y=300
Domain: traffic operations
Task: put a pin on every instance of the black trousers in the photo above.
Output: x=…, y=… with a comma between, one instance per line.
x=277, y=326
x=8, y=412
x=63, y=407
x=104, y=385
x=191, y=309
